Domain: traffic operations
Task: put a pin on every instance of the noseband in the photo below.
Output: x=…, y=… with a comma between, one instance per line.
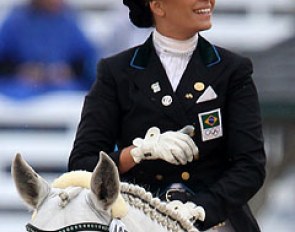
x=88, y=226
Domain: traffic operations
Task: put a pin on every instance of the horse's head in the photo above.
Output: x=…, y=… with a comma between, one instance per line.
x=69, y=201
x=83, y=201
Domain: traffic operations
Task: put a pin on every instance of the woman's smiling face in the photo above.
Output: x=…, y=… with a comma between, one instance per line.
x=183, y=17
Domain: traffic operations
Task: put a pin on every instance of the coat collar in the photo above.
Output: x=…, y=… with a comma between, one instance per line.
x=208, y=53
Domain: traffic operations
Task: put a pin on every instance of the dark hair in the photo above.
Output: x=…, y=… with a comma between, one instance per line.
x=140, y=13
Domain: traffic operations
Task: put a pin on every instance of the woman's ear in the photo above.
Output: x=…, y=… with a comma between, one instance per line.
x=157, y=8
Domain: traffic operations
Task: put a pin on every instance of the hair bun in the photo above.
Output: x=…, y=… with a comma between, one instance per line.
x=139, y=13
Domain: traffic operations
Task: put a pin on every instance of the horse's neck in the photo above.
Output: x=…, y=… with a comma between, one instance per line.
x=137, y=221
x=152, y=214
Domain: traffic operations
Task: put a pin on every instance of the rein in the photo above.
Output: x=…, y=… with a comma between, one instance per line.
x=87, y=226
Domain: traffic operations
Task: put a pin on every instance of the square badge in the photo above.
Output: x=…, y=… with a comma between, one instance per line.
x=211, y=125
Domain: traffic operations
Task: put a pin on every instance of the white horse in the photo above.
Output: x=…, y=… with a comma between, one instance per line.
x=98, y=201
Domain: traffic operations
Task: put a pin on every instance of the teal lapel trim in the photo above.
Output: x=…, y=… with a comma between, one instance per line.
x=208, y=52
x=142, y=54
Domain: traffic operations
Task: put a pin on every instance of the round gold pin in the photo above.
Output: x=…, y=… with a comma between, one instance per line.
x=199, y=86
x=185, y=176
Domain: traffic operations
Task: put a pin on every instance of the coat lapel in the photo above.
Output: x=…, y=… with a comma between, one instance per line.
x=199, y=73
x=150, y=77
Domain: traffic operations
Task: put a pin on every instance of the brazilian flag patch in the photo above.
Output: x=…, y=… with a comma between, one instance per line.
x=211, y=125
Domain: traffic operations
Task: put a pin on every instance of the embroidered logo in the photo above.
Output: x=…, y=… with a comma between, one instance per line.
x=211, y=125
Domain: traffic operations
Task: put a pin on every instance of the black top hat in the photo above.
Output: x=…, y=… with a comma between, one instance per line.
x=139, y=13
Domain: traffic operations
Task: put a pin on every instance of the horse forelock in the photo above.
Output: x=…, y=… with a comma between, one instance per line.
x=68, y=194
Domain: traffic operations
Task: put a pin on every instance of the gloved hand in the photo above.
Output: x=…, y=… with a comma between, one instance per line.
x=176, y=147
x=189, y=210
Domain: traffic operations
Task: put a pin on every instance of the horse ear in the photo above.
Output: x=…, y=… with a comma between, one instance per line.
x=105, y=183
x=32, y=188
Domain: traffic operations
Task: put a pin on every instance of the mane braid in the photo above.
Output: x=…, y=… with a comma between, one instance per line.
x=139, y=198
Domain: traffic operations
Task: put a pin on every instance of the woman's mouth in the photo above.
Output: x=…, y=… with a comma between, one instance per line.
x=203, y=11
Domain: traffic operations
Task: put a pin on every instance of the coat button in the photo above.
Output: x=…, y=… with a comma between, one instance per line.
x=185, y=176
x=159, y=177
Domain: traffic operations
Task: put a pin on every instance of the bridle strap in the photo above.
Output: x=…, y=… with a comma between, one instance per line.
x=87, y=226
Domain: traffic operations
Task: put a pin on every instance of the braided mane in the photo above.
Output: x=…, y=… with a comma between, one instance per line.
x=139, y=198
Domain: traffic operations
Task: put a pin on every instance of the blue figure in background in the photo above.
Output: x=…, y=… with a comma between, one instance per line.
x=42, y=49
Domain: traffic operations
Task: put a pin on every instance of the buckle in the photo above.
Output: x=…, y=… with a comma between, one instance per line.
x=171, y=191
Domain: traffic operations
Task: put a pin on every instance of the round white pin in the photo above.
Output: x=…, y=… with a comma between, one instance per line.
x=166, y=100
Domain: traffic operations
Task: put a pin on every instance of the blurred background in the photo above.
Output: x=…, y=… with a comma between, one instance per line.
x=42, y=90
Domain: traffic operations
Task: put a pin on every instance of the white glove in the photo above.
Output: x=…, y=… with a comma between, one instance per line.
x=189, y=210
x=176, y=147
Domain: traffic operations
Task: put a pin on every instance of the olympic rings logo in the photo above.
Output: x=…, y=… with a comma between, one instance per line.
x=212, y=131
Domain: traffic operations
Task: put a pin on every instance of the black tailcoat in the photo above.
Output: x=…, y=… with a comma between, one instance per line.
x=124, y=103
